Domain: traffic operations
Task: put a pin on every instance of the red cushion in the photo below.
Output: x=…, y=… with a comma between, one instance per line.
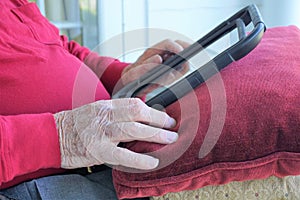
x=259, y=129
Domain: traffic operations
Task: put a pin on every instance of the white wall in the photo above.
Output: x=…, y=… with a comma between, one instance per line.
x=281, y=12
x=192, y=18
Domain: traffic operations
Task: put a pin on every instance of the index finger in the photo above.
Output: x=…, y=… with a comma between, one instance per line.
x=168, y=46
x=182, y=43
x=136, y=110
x=131, y=159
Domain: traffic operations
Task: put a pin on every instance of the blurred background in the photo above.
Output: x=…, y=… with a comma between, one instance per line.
x=93, y=22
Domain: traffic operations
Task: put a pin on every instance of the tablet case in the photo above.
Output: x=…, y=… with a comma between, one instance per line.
x=246, y=43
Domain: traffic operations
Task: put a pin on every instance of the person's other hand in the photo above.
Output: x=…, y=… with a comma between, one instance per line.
x=153, y=57
x=89, y=135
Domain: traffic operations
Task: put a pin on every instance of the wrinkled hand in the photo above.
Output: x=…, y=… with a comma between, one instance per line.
x=89, y=135
x=153, y=57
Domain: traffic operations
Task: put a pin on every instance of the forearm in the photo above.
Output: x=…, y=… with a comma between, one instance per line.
x=28, y=143
x=109, y=70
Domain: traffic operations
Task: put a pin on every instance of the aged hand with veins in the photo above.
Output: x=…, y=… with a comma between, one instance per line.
x=154, y=56
x=89, y=135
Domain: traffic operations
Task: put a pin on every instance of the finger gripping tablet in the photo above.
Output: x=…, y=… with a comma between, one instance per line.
x=246, y=43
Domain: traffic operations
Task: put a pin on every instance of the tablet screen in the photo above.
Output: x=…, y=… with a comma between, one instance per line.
x=196, y=62
x=228, y=42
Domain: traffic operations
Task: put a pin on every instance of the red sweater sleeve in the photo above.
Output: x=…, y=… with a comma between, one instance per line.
x=28, y=143
x=40, y=72
x=107, y=69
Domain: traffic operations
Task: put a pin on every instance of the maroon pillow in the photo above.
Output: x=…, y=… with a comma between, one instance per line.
x=247, y=128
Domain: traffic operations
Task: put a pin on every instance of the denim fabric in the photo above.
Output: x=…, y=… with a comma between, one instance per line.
x=96, y=186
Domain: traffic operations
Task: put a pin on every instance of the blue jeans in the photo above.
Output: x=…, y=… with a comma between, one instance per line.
x=96, y=186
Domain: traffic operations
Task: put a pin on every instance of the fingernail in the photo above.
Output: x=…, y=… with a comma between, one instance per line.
x=153, y=163
x=171, y=122
x=172, y=137
x=167, y=55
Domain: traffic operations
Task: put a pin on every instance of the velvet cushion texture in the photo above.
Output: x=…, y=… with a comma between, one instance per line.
x=260, y=134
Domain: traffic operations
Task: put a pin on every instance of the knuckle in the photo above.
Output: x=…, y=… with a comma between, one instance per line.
x=111, y=130
x=117, y=154
x=163, y=45
x=133, y=159
x=165, y=115
x=125, y=156
x=136, y=127
x=167, y=41
x=138, y=107
x=160, y=136
x=165, y=118
x=134, y=101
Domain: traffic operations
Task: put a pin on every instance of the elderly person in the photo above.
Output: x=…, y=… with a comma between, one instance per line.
x=56, y=113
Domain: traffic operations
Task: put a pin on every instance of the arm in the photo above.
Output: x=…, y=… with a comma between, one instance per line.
x=28, y=143
x=108, y=69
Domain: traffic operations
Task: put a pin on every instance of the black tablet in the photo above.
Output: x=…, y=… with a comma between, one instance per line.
x=246, y=41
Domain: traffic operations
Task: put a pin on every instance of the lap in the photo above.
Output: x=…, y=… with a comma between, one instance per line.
x=69, y=186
